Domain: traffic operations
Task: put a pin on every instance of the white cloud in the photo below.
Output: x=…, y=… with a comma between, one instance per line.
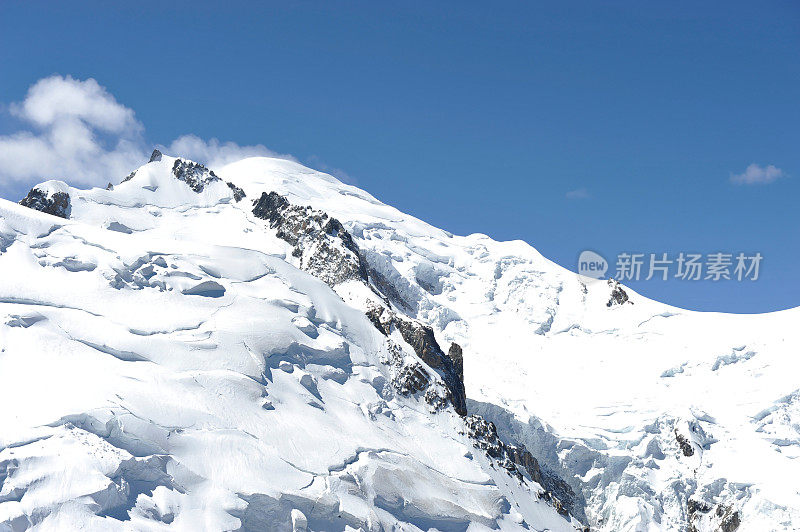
x=757, y=175
x=578, y=193
x=77, y=131
x=214, y=153
x=59, y=99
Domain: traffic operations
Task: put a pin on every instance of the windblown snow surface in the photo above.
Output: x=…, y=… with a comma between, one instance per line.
x=173, y=360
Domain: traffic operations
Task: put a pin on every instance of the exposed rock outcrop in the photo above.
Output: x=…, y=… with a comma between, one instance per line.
x=531, y=435
x=325, y=249
x=269, y=207
x=422, y=340
x=556, y=489
x=523, y=458
x=728, y=518
x=694, y=506
x=193, y=174
x=408, y=377
x=57, y=203
x=618, y=295
x=456, y=356
x=725, y=518
x=684, y=444
x=484, y=436
x=512, y=458
x=238, y=193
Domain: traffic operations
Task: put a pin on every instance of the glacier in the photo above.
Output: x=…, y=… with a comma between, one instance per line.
x=263, y=347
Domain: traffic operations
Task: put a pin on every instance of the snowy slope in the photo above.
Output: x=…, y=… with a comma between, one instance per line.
x=176, y=362
x=166, y=366
x=597, y=393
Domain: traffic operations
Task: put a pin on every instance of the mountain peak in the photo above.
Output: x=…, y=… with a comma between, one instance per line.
x=50, y=197
x=284, y=357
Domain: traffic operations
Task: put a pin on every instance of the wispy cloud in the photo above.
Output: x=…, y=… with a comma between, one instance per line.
x=758, y=175
x=338, y=173
x=77, y=131
x=577, y=194
x=214, y=153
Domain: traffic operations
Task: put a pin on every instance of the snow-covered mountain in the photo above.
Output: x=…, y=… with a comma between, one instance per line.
x=262, y=347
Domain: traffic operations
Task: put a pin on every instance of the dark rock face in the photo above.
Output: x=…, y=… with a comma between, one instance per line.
x=456, y=355
x=195, y=175
x=693, y=509
x=484, y=436
x=561, y=494
x=553, y=500
x=694, y=506
x=512, y=431
x=512, y=458
x=238, y=193
x=725, y=517
x=422, y=340
x=684, y=444
x=325, y=249
x=618, y=295
x=328, y=251
x=728, y=518
x=58, y=204
x=269, y=207
x=523, y=458
x=409, y=378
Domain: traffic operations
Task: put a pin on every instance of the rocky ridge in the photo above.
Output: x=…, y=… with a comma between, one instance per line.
x=56, y=203
x=327, y=250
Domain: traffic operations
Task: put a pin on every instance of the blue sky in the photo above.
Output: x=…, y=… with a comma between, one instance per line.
x=613, y=126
